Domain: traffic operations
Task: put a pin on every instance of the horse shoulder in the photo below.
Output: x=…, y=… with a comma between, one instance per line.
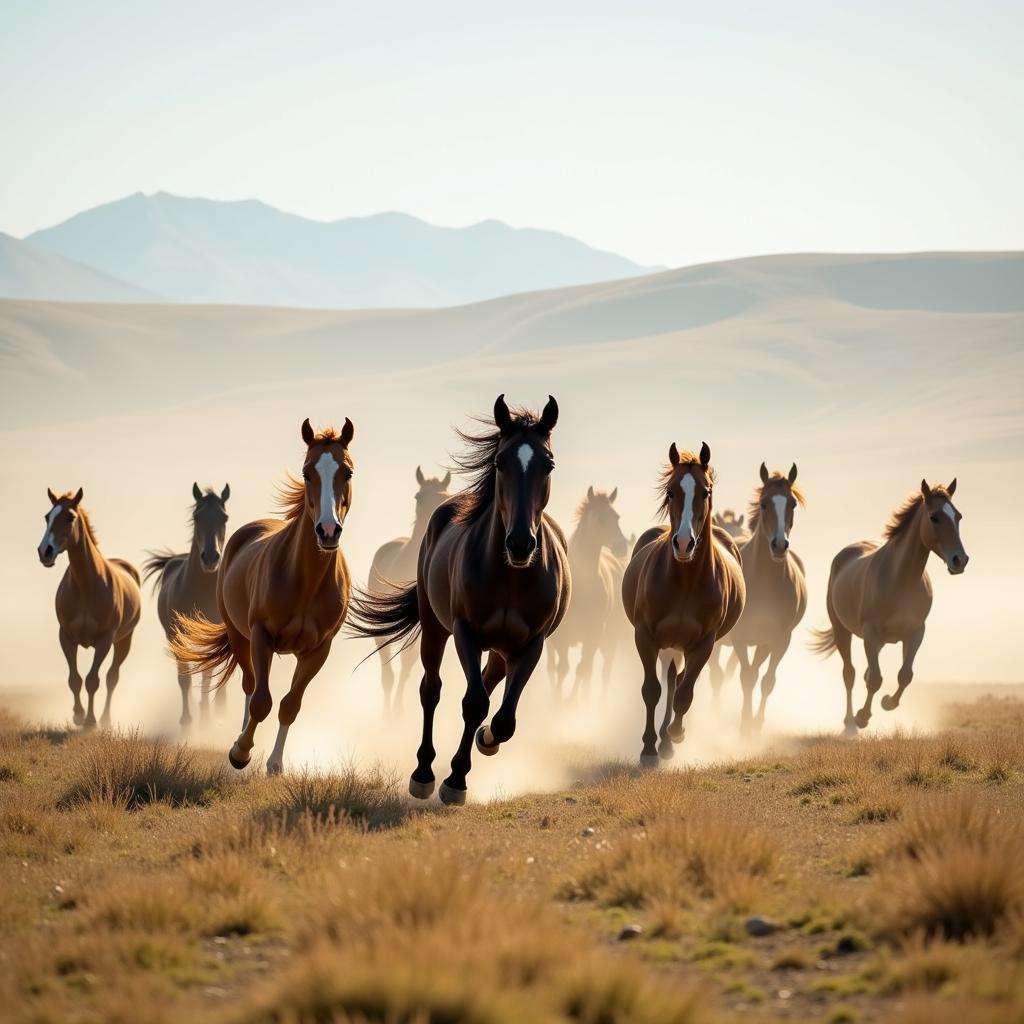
x=385, y=558
x=648, y=537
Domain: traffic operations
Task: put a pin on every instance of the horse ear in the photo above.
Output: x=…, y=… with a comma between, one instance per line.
x=549, y=417
x=307, y=432
x=77, y=499
x=792, y=473
x=717, y=519
x=347, y=433
x=419, y=476
x=926, y=491
x=673, y=454
x=196, y=493
x=739, y=522
x=226, y=493
x=705, y=455
x=502, y=417
x=613, y=496
x=51, y=496
x=764, y=473
x=590, y=492
x=446, y=481
x=951, y=489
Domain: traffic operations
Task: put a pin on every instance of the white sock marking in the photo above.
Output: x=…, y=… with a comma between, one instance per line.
x=327, y=466
x=525, y=453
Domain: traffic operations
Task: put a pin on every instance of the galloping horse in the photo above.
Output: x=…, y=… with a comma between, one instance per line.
x=186, y=584
x=395, y=563
x=597, y=550
x=282, y=588
x=494, y=573
x=776, y=589
x=683, y=589
x=98, y=601
x=883, y=594
x=732, y=524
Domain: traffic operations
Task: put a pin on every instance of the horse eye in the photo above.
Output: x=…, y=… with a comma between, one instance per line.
x=934, y=519
x=764, y=505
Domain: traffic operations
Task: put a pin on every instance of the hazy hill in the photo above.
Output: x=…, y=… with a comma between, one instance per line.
x=248, y=253
x=30, y=272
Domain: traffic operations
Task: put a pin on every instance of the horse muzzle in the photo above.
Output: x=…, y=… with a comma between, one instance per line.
x=683, y=553
x=519, y=550
x=48, y=556
x=780, y=551
x=957, y=563
x=210, y=566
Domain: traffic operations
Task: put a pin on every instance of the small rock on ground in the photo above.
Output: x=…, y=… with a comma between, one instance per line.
x=631, y=931
x=760, y=926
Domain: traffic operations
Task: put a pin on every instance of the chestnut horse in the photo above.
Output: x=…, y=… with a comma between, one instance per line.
x=683, y=590
x=98, y=601
x=882, y=592
x=282, y=588
x=597, y=551
x=395, y=563
x=776, y=589
x=494, y=573
x=186, y=584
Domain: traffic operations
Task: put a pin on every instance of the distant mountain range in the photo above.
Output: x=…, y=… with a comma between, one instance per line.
x=179, y=250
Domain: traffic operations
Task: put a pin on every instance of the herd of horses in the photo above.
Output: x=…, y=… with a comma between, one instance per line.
x=488, y=567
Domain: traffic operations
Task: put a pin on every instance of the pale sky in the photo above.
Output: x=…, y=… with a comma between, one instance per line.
x=671, y=132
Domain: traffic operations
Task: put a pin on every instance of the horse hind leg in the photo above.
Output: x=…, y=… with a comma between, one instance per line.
x=185, y=686
x=387, y=677
x=910, y=648
x=121, y=649
x=872, y=676
x=92, y=679
x=584, y=670
x=254, y=658
x=406, y=666
x=717, y=676
x=768, y=680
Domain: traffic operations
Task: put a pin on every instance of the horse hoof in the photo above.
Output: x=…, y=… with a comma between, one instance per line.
x=236, y=759
x=274, y=768
x=489, y=749
x=89, y=724
x=862, y=718
x=105, y=722
x=666, y=751
x=78, y=718
x=890, y=703
x=648, y=761
x=420, y=790
x=450, y=796
x=849, y=730
x=676, y=736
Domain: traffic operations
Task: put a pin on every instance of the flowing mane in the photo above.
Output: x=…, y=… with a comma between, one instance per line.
x=581, y=508
x=291, y=495
x=754, y=508
x=686, y=458
x=903, y=516
x=477, y=462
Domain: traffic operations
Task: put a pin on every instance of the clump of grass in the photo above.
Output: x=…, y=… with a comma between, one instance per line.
x=370, y=799
x=819, y=782
x=132, y=771
x=791, y=960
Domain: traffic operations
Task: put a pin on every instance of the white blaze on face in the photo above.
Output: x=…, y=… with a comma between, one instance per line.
x=525, y=453
x=780, y=519
x=51, y=518
x=950, y=511
x=685, y=532
x=327, y=466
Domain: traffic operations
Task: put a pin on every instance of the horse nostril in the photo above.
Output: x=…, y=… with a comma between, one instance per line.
x=691, y=544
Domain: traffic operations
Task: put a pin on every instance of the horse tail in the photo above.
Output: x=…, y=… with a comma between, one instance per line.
x=390, y=616
x=155, y=565
x=823, y=642
x=203, y=646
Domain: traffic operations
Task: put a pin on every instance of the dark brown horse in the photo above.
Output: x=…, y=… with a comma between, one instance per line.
x=282, y=588
x=494, y=573
x=186, y=584
x=98, y=601
x=682, y=591
x=395, y=563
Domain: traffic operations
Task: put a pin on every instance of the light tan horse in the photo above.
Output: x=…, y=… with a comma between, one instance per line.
x=682, y=591
x=394, y=565
x=882, y=592
x=282, y=588
x=732, y=524
x=735, y=526
x=776, y=589
x=186, y=584
x=98, y=601
x=597, y=550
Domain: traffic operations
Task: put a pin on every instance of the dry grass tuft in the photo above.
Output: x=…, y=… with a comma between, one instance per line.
x=130, y=770
x=370, y=799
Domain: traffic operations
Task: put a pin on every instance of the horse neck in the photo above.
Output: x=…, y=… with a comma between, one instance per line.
x=419, y=526
x=308, y=562
x=909, y=555
x=759, y=546
x=192, y=563
x=584, y=545
x=86, y=562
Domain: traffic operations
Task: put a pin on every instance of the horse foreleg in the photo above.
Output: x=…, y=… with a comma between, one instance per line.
x=121, y=649
x=608, y=651
x=665, y=747
x=503, y=725
x=696, y=659
x=475, y=703
x=184, y=685
x=305, y=669
x=259, y=702
x=650, y=690
x=70, y=649
x=584, y=670
x=387, y=677
x=558, y=666
x=92, y=678
x=432, y=645
x=406, y=664
x=494, y=671
x=717, y=676
x=910, y=648
x=872, y=675
x=748, y=680
x=768, y=679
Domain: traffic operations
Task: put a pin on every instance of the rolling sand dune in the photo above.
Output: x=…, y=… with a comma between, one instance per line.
x=869, y=371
